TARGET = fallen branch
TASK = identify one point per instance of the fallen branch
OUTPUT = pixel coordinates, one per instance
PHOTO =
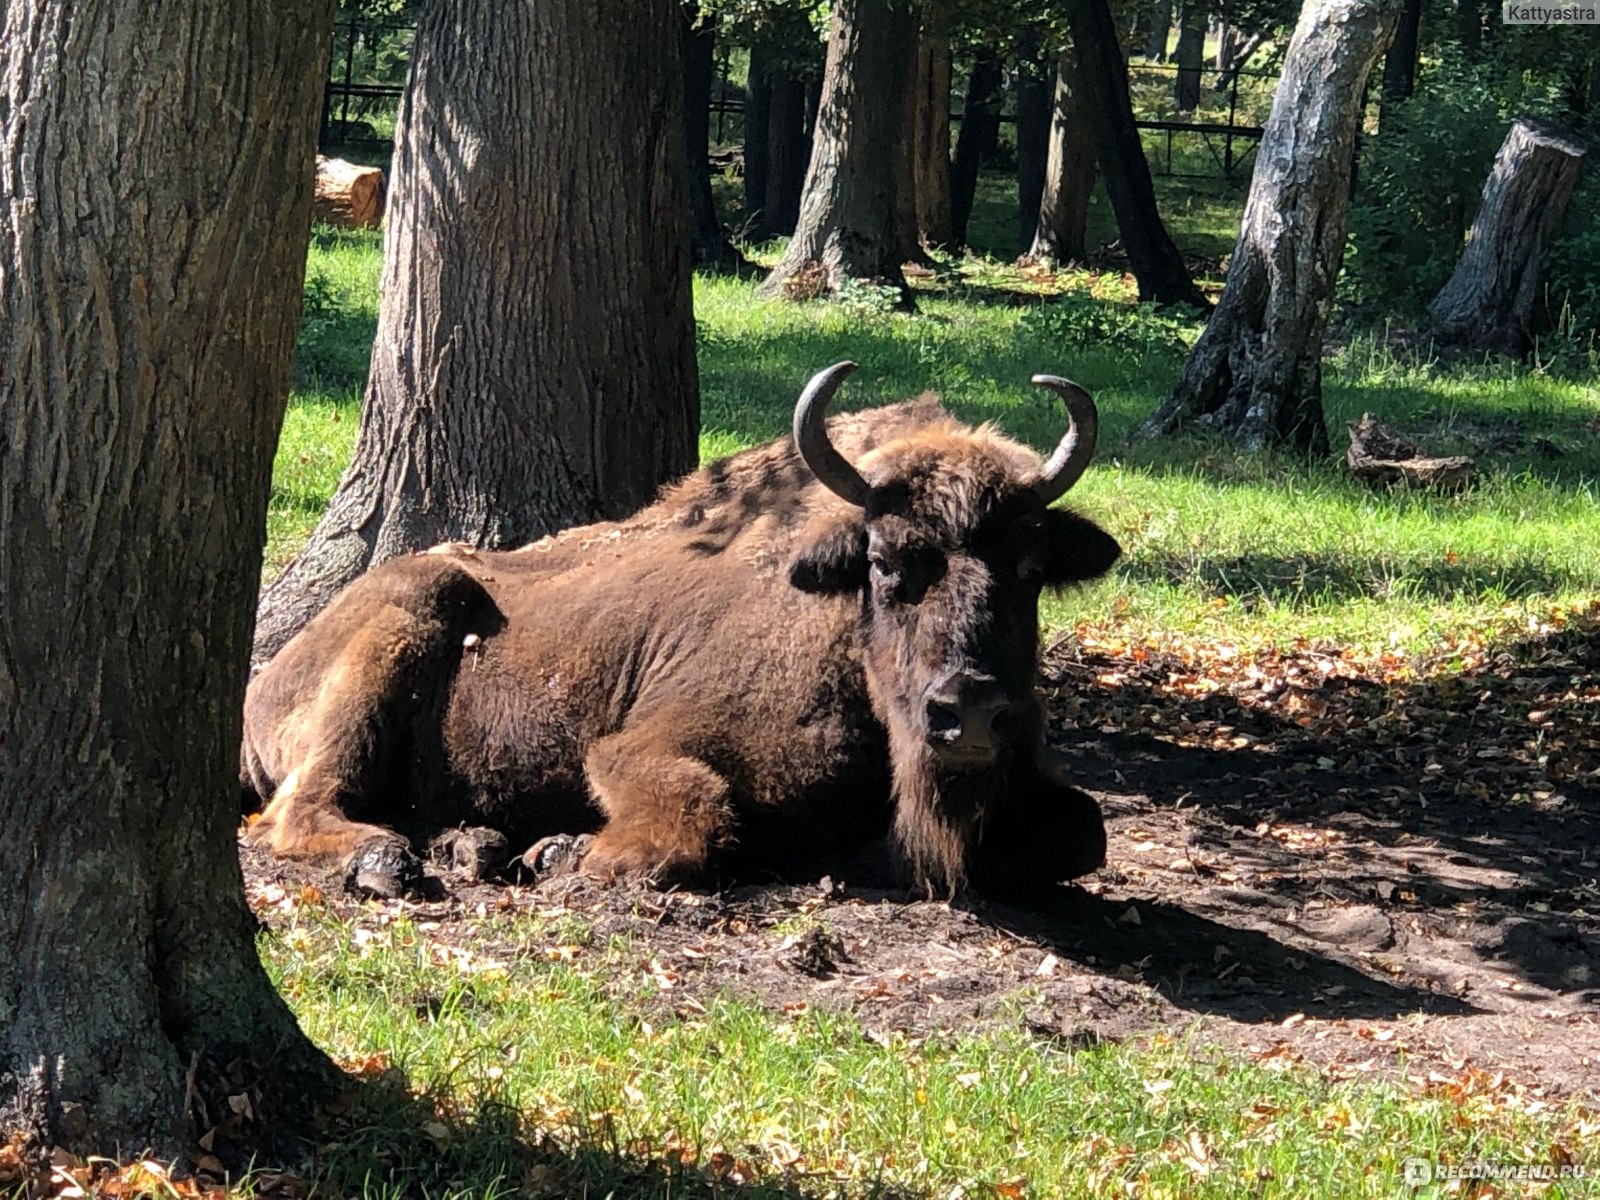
(1380, 458)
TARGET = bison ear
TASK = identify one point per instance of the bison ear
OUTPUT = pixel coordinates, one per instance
(1079, 549)
(833, 559)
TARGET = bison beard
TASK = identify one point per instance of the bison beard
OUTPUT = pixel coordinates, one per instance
(794, 651)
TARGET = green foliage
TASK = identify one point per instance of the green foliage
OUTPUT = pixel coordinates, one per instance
(1422, 178)
(1078, 322)
(1572, 287)
(339, 310)
(1419, 184)
(866, 298)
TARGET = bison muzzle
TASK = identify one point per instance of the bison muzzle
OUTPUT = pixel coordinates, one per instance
(793, 652)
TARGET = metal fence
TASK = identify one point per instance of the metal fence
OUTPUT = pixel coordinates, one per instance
(367, 74)
(367, 79)
(1224, 126)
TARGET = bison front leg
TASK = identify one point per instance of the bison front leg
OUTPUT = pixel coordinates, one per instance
(305, 820)
(1043, 833)
(329, 724)
(666, 811)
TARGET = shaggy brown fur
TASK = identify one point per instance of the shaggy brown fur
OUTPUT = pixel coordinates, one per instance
(738, 675)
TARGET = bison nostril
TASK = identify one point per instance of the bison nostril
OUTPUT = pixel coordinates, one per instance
(1005, 723)
(944, 720)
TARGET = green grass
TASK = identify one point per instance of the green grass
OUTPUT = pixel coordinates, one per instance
(1253, 549)
(533, 1060)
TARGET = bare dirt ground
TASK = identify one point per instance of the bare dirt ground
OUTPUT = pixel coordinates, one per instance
(1380, 871)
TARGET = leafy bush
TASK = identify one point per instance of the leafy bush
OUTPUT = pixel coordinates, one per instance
(1419, 182)
(335, 343)
(1572, 285)
(1080, 322)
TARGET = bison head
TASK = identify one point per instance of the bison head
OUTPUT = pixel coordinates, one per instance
(948, 537)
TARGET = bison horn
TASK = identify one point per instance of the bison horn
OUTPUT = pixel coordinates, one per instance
(811, 437)
(1076, 448)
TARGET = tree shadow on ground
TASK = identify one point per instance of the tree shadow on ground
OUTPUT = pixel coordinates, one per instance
(1171, 948)
(1463, 804)
(393, 1142)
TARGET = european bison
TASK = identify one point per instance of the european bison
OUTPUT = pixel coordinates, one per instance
(786, 656)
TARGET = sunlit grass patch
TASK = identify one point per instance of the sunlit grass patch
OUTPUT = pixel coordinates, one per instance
(566, 1068)
(1252, 548)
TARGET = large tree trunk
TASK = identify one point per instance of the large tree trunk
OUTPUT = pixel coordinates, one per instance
(907, 205)
(1155, 46)
(850, 221)
(534, 364)
(1238, 57)
(757, 148)
(1191, 57)
(1489, 303)
(1228, 41)
(788, 150)
(1469, 26)
(708, 242)
(1256, 372)
(1155, 261)
(933, 140)
(1033, 90)
(980, 125)
(1069, 178)
(1400, 64)
(159, 174)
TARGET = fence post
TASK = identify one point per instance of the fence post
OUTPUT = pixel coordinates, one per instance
(1227, 144)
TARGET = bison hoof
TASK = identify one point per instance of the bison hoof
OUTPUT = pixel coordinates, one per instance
(556, 855)
(383, 870)
(477, 853)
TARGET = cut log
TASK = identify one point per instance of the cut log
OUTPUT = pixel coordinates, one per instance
(1489, 303)
(1380, 458)
(348, 194)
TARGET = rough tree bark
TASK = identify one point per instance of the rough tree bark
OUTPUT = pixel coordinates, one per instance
(1033, 90)
(1155, 47)
(933, 139)
(1490, 301)
(980, 125)
(757, 150)
(152, 248)
(1228, 41)
(1069, 177)
(788, 150)
(1240, 55)
(1103, 73)
(534, 364)
(850, 223)
(1190, 55)
(907, 204)
(709, 246)
(1256, 372)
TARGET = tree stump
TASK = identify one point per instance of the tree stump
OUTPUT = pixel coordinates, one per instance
(1489, 303)
(1380, 458)
(348, 194)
